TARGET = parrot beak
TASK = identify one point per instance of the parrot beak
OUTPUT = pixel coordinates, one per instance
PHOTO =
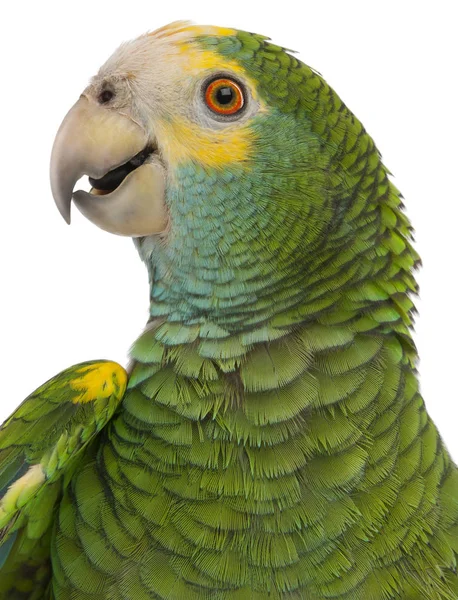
(124, 168)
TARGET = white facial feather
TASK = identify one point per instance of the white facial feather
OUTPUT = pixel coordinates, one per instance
(161, 81)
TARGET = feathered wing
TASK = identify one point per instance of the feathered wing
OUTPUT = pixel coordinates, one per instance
(40, 446)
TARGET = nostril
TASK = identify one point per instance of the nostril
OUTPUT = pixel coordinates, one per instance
(105, 96)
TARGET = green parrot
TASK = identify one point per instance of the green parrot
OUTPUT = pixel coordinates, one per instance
(268, 439)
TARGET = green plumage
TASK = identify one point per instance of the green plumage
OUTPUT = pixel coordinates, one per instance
(272, 442)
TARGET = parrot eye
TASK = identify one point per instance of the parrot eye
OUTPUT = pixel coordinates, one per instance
(224, 96)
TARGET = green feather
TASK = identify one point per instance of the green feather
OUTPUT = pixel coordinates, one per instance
(272, 442)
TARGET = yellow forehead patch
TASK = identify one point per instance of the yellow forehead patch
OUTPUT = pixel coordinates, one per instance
(99, 380)
(195, 59)
(186, 28)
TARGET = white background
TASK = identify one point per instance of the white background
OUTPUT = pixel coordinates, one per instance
(75, 293)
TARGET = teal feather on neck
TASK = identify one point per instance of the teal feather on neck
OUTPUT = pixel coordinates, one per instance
(283, 238)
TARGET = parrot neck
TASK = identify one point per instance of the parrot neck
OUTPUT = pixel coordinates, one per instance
(255, 252)
(197, 289)
(265, 326)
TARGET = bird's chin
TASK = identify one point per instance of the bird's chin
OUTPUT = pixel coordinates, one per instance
(136, 207)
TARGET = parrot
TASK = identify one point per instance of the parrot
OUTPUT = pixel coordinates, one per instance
(268, 439)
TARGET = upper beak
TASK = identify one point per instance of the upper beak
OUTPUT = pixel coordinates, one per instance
(93, 140)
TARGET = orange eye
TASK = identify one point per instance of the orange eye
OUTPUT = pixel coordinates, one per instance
(224, 97)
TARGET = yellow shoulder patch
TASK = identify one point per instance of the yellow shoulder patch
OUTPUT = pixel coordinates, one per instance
(99, 380)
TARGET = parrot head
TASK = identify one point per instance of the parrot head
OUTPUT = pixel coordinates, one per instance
(245, 181)
(162, 104)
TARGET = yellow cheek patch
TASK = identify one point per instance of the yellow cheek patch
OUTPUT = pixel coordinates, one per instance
(185, 142)
(99, 380)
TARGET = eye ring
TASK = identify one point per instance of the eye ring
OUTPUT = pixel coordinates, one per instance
(224, 96)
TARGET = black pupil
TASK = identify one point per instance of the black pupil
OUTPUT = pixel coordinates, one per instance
(225, 95)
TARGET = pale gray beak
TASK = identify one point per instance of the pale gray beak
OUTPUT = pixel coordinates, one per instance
(95, 140)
